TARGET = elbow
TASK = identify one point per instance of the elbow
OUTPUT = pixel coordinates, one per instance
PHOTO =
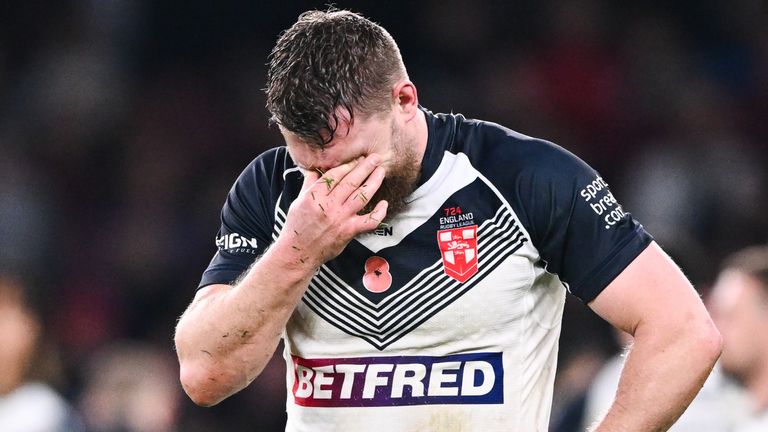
(709, 342)
(209, 378)
(201, 385)
(199, 375)
(697, 337)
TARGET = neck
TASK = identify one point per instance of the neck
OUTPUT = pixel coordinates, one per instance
(10, 383)
(757, 386)
(421, 133)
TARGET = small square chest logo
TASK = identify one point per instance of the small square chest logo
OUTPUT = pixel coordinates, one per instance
(458, 248)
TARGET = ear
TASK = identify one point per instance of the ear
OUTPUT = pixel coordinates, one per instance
(406, 99)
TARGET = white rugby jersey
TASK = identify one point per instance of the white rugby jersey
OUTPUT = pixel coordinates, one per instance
(448, 318)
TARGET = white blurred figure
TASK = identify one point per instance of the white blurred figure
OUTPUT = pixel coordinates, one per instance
(130, 387)
(720, 406)
(740, 309)
(25, 405)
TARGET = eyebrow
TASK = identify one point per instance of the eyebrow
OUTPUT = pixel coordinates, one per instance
(318, 170)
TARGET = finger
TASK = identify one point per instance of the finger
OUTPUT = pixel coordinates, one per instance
(349, 186)
(372, 220)
(328, 180)
(359, 198)
(310, 177)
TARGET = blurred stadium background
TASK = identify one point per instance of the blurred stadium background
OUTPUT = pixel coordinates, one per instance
(124, 123)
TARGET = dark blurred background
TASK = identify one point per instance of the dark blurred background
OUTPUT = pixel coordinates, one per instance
(124, 123)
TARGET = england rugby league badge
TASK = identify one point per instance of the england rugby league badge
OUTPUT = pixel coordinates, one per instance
(458, 247)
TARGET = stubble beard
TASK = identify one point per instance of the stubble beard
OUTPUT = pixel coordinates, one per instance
(400, 180)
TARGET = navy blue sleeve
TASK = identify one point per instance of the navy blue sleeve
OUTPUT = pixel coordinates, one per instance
(578, 226)
(247, 220)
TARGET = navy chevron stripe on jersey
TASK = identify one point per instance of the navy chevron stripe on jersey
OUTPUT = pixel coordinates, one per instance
(431, 304)
(382, 324)
(394, 300)
(502, 222)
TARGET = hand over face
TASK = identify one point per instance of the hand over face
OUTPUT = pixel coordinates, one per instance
(324, 217)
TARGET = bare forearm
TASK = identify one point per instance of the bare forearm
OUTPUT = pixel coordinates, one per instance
(228, 334)
(225, 339)
(663, 373)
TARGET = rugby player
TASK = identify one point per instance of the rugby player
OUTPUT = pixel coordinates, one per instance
(416, 264)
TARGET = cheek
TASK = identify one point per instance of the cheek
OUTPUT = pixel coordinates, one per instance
(298, 155)
(18, 338)
(740, 334)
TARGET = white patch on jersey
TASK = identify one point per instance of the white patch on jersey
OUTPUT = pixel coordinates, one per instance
(290, 170)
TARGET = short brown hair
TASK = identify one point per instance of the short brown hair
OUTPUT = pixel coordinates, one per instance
(326, 61)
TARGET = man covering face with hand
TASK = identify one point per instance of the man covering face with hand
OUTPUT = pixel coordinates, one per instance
(416, 264)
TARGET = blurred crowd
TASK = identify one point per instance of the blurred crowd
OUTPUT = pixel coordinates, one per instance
(124, 123)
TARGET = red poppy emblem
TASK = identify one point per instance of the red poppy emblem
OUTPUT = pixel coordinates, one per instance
(377, 278)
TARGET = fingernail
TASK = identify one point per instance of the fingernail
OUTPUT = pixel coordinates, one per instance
(375, 159)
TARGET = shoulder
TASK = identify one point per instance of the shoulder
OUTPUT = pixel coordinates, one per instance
(36, 406)
(758, 423)
(268, 167)
(498, 151)
(254, 194)
(264, 177)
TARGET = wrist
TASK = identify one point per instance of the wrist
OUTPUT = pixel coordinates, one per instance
(282, 268)
(291, 255)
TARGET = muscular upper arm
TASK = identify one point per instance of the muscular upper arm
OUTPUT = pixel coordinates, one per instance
(208, 292)
(651, 289)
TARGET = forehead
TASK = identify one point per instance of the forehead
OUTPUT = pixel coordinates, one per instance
(734, 288)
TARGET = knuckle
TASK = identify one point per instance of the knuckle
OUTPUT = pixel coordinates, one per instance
(349, 184)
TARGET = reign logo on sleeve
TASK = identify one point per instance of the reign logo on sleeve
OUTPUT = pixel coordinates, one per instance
(475, 378)
(235, 243)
